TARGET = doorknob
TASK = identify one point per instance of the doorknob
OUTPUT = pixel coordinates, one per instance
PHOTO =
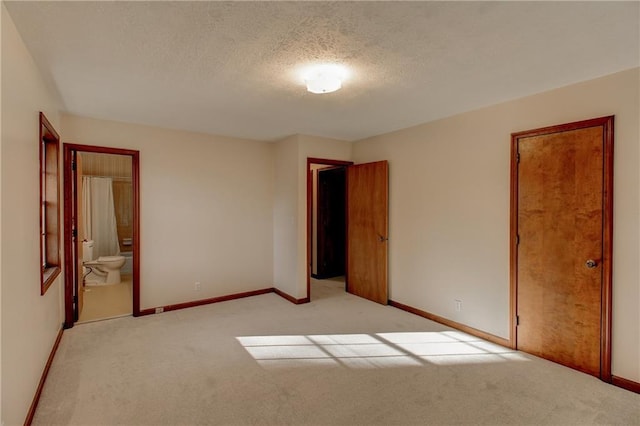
(591, 264)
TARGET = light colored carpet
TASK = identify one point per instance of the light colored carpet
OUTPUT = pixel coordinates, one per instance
(339, 360)
(107, 301)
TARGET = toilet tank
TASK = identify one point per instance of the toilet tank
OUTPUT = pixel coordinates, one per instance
(87, 251)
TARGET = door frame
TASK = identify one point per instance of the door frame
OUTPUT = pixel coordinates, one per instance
(70, 200)
(607, 233)
(327, 162)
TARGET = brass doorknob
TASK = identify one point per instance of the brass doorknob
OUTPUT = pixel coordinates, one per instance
(591, 263)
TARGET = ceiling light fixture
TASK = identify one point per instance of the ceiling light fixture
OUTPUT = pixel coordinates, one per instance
(324, 78)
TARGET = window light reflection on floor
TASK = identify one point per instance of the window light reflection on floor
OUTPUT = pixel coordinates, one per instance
(380, 350)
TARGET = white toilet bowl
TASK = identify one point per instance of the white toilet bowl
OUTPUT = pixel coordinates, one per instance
(107, 267)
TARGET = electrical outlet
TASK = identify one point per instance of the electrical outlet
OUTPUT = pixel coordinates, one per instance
(196, 286)
(159, 310)
(458, 305)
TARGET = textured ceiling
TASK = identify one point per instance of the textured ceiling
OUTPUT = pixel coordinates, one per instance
(229, 68)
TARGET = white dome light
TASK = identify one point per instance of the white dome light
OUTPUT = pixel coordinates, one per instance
(324, 78)
(323, 83)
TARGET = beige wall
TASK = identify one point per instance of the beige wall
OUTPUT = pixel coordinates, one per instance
(285, 219)
(290, 206)
(30, 322)
(206, 209)
(449, 206)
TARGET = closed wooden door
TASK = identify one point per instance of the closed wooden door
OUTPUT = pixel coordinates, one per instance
(331, 222)
(367, 230)
(562, 243)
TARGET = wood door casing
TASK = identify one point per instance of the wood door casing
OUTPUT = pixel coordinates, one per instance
(70, 253)
(79, 280)
(561, 218)
(367, 230)
(314, 161)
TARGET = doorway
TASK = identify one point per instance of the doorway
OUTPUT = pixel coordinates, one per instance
(101, 213)
(326, 221)
(561, 247)
(360, 194)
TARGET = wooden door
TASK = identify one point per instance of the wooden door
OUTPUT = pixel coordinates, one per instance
(331, 222)
(562, 243)
(367, 230)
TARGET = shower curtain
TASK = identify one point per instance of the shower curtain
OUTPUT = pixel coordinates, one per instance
(99, 215)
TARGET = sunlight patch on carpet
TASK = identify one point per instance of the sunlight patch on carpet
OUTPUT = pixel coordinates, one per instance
(380, 350)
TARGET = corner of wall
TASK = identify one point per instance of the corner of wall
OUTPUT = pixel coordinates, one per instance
(284, 214)
(27, 342)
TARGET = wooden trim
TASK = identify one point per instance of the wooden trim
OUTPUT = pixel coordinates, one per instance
(45, 122)
(513, 246)
(592, 122)
(135, 182)
(69, 149)
(43, 379)
(310, 161)
(48, 277)
(206, 301)
(607, 232)
(309, 267)
(627, 384)
(328, 162)
(453, 324)
(346, 236)
(101, 149)
(68, 238)
(607, 250)
(49, 135)
(291, 298)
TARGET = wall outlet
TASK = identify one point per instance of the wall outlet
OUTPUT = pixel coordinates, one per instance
(458, 305)
(159, 310)
(196, 286)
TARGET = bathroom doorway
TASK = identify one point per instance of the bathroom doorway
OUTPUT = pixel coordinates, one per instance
(101, 211)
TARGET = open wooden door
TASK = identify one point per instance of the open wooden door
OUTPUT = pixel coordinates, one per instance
(79, 288)
(561, 236)
(367, 230)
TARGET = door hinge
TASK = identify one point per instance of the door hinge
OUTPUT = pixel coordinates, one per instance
(517, 320)
(517, 239)
(74, 233)
(517, 157)
(73, 166)
(75, 299)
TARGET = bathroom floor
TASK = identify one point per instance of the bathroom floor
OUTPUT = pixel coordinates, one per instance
(107, 301)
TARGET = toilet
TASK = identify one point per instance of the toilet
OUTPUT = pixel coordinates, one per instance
(104, 270)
